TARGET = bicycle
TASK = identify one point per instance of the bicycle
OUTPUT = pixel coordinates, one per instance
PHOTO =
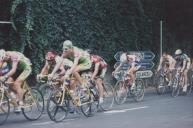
(47, 86)
(59, 101)
(178, 83)
(33, 103)
(108, 95)
(162, 82)
(123, 89)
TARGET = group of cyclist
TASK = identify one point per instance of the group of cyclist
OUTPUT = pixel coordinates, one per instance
(72, 61)
(16, 67)
(179, 61)
(167, 62)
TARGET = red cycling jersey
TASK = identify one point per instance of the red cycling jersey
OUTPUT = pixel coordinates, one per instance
(97, 59)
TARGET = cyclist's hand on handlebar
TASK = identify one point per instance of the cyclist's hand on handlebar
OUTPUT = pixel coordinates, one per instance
(3, 78)
(50, 76)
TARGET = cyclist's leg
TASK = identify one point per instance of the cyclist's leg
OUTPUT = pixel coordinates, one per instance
(19, 82)
(81, 67)
(73, 84)
(10, 81)
(168, 76)
(13, 97)
(132, 77)
(185, 73)
(18, 87)
(99, 83)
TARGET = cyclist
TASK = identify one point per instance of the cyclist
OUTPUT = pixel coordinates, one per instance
(51, 59)
(183, 62)
(22, 65)
(99, 68)
(81, 61)
(167, 62)
(134, 62)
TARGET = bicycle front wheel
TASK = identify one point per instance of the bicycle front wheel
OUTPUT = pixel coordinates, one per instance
(121, 92)
(4, 108)
(139, 90)
(33, 106)
(57, 106)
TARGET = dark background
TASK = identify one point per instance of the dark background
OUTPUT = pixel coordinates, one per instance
(105, 26)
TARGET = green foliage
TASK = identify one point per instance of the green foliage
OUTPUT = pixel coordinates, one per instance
(103, 26)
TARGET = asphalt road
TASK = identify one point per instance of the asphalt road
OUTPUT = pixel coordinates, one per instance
(153, 112)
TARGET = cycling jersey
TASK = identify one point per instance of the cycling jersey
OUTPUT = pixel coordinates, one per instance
(181, 59)
(97, 59)
(84, 59)
(3, 68)
(24, 64)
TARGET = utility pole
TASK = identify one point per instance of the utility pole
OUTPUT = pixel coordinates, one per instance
(161, 41)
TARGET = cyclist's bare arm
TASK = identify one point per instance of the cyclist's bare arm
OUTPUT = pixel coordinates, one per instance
(62, 70)
(69, 72)
(118, 68)
(57, 66)
(172, 63)
(184, 65)
(45, 69)
(13, 69)
(96, 70)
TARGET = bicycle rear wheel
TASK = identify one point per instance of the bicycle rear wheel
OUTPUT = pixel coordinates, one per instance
(33, 104)
(121, 92)
(57, 106)
(88, 105)
(4, 108)
(108, 97)
(161, 85)
(175, 88)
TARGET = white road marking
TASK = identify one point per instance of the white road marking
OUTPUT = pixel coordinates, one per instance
(124, 110)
